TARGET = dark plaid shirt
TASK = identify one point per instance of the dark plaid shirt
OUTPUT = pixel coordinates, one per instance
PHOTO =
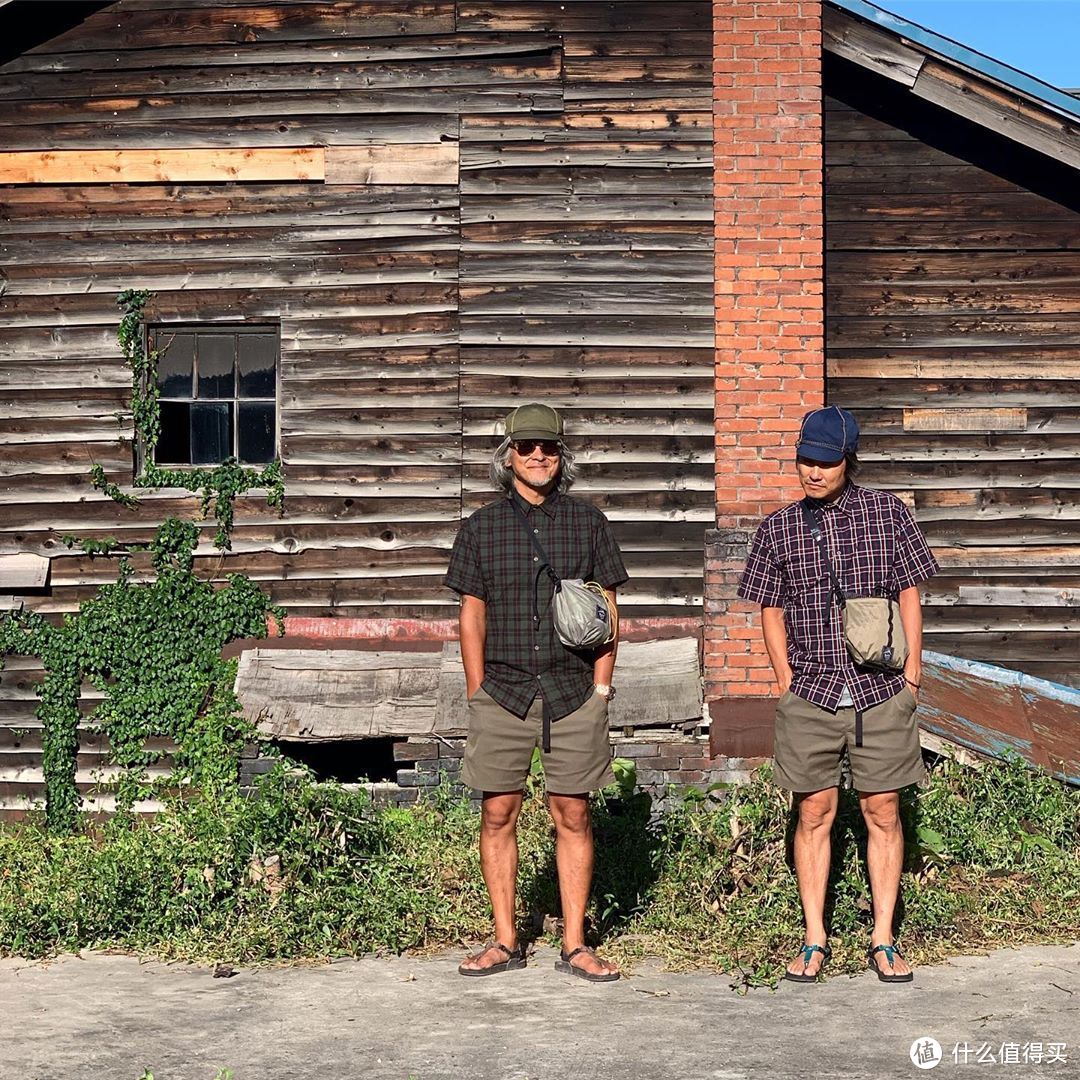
(494, 560)
(876, 550)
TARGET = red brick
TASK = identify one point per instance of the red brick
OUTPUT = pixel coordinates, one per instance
(769, 255)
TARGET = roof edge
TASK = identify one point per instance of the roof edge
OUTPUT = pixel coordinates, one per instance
(947, 49)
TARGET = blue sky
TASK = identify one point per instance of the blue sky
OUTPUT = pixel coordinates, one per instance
(1040, 37)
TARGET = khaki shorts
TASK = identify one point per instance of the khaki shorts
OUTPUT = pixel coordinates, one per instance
(810, 741)
(499, 749)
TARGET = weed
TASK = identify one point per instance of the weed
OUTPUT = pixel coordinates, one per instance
(304, 869)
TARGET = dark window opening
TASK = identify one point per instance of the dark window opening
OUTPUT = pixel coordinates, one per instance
(348, 761)
(217, 390)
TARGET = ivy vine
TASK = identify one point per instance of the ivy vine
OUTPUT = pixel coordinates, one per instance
(153, 648)
(154, 651)
(219, 486)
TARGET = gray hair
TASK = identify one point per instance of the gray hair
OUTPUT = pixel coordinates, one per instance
(503, 478)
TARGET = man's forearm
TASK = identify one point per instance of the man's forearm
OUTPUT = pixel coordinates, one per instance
(911, 620)
(774, 632)
(472, 632)
(604, 663)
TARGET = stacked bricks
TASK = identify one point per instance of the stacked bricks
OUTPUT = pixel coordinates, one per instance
(769, 313)
(665, 769)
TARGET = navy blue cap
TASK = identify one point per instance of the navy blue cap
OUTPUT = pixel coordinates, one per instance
(828, 435)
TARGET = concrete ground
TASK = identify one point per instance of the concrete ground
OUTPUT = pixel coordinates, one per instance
(105, 1017)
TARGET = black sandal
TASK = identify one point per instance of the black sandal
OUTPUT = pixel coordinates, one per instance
(515, 959)
(808, 955)
(565, 965)
(890, 951)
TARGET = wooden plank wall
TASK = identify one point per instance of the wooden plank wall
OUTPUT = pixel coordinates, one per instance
(953, 293)
(572, 262)
(586, 274)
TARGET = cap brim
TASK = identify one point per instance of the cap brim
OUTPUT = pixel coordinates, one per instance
(817, 452)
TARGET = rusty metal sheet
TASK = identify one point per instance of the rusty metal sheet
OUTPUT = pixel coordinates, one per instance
(992, 710)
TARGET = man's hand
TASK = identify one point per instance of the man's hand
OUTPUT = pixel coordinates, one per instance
(472, 628)
(913, 675)
(911, 620)
(775, 633)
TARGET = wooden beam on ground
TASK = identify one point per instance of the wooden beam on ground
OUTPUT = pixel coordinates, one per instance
(160, 165)
(658, 685)
(393, 163)
(315, 695)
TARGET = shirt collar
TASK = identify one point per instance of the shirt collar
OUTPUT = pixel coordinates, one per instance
(841, 504)
(548, 506)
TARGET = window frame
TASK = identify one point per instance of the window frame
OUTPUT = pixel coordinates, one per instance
(155, 331)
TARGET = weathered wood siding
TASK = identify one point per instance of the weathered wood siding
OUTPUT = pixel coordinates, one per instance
(953, 332)
(506, 200)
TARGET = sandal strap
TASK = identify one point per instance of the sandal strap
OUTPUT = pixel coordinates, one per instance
(889, 950)
(510, 953)
(568, 957)
(808, 954)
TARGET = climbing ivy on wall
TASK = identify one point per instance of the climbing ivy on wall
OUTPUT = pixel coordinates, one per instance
(153, 648)
(218, 486)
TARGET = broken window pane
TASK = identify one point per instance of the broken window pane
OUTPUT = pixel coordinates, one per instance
(216, 355)
(211, 432)
(256, 362)
(174, 442)
(175, 357)
(256, 431)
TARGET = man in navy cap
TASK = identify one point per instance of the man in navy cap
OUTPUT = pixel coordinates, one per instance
(828, 703)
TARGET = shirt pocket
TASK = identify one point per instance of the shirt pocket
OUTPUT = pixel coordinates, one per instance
(803, 573)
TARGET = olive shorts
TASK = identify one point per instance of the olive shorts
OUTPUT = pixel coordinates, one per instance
(499, 749)
(810, 742)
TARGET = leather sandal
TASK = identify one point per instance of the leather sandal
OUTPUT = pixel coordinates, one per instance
(566, 965)
(890, 951)
(515, 959)
(808, 955)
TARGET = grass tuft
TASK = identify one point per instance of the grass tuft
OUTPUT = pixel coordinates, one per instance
(306, 870)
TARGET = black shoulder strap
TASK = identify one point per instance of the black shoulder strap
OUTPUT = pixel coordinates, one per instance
(545, 562)
(815, 531)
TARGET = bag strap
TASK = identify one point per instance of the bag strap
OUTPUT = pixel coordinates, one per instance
(545, 568)
(815, 531)
(545, 562)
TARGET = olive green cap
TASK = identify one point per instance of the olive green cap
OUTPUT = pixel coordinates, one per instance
(534, 421)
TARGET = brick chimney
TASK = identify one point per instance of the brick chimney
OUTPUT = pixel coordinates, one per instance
(769, 323)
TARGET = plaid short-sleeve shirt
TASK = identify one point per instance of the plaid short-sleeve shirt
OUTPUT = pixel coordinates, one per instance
(876, 550)
(494, 560)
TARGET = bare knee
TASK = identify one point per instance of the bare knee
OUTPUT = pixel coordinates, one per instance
(499, 813)
(570, 814)
(817, 811)
(881, 812)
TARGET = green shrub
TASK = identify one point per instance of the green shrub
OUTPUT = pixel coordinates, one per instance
(303, 869)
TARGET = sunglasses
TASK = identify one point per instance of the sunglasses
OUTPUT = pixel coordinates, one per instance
(547, 447)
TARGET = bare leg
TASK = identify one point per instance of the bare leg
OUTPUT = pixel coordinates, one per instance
(813, 852)
(499, 861)
(884, 861)
(574, 859)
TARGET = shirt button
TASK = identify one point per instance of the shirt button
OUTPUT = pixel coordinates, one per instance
(537, 531)
(536, 558)
(536, 648)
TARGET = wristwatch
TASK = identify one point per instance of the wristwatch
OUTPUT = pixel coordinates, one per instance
(604, 690)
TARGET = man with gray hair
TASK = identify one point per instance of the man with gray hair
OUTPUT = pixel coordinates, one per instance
(524, 687)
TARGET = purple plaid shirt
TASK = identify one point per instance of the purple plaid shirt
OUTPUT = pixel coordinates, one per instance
(876, 550)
